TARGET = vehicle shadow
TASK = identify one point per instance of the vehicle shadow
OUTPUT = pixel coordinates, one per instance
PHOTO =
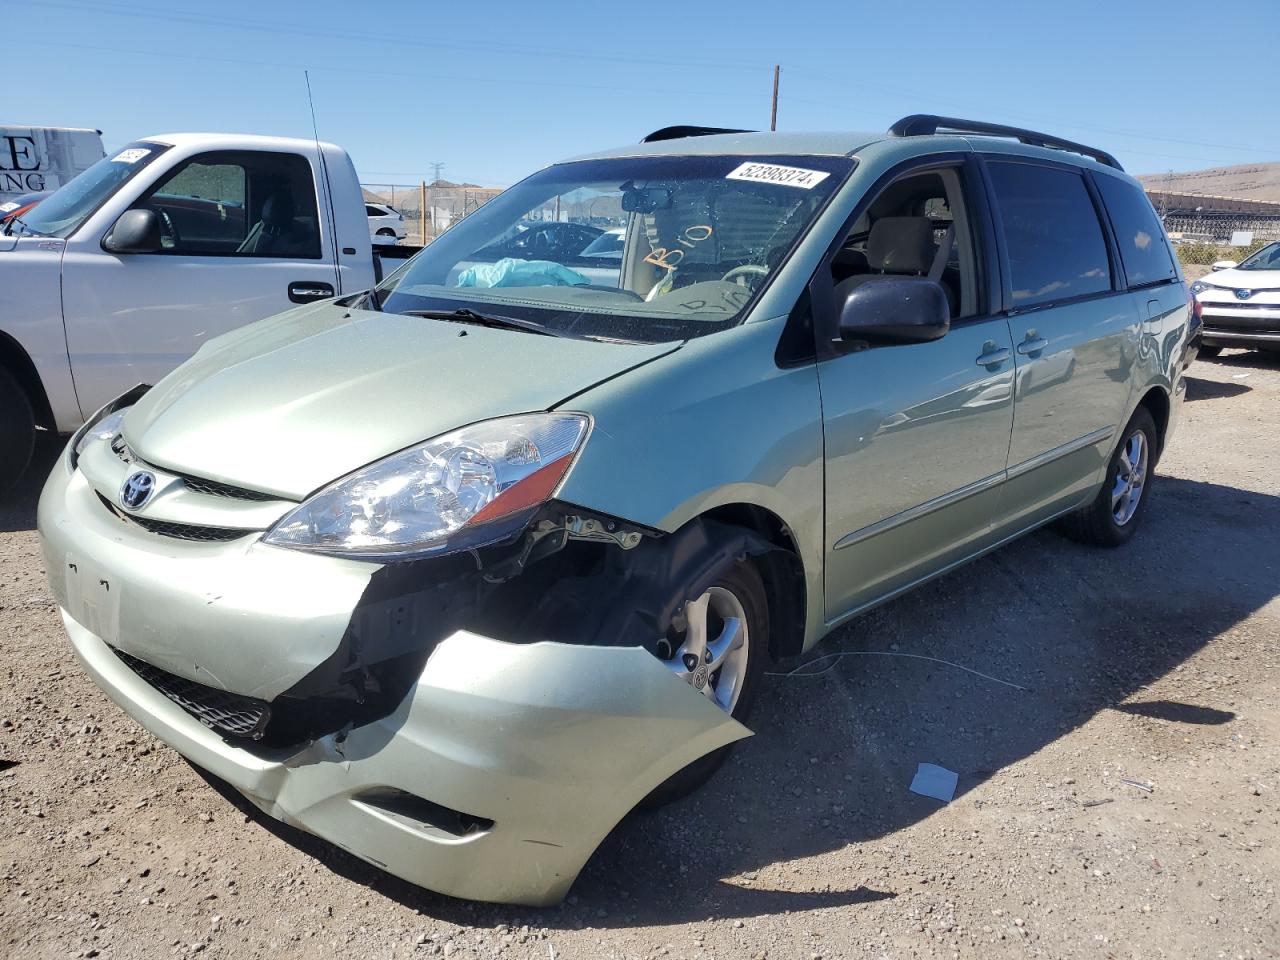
(1198, 389)
(18, 505)
(1082, 629)
(1244, 358)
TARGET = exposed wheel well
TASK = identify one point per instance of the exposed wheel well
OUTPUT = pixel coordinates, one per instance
(782, 572)
(14, 359)
(1157, 403)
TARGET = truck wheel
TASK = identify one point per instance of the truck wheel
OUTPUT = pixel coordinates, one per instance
(728, 624)
(1118, 508)
(17, 430)
(1208, 353)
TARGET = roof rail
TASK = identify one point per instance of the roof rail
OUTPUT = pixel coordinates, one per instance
(926, 124)
(685, 130)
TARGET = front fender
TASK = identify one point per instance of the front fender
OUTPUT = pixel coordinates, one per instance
(714, 424)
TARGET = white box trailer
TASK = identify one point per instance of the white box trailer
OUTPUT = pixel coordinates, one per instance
(33, 159)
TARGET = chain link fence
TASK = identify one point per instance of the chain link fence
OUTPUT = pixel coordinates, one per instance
(445, 205)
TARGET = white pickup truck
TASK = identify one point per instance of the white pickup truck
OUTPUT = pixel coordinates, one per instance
(126, 270)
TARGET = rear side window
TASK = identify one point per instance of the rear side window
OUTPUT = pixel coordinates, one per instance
(1055, 243)
(1138, 232)
(374, 212)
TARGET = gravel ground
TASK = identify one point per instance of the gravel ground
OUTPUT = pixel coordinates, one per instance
(1155, 663)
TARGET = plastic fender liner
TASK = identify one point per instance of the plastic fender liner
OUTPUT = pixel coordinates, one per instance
(583, 593)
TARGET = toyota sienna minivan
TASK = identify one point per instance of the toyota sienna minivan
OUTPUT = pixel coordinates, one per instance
(458, 571)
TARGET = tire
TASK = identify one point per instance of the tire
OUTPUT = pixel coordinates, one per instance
(1103, 523)
(1208, 353)
(742, 581)
(17, 430)
(386, 232)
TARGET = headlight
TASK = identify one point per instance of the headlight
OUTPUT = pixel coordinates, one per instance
(1199, 285)
(427, 497)
(104, 429)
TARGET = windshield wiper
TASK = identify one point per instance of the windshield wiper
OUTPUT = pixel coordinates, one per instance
(8, 227)
(464, 315)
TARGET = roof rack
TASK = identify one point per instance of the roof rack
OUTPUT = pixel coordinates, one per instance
(926, 124)
(685, 130)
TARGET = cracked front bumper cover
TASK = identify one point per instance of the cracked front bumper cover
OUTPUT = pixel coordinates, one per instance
(539, 747)
(553, 743)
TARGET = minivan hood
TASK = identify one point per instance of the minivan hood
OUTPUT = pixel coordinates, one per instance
(287, 405)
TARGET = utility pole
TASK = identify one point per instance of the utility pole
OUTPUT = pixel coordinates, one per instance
(773, 112)
(422, 211)
(435, 170)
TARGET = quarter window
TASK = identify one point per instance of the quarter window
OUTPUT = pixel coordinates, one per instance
(1138, 232)
(239, 204)
(1055, 243)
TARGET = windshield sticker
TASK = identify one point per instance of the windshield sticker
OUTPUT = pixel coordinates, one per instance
(6, 207)
(132, 155)
(774, 173)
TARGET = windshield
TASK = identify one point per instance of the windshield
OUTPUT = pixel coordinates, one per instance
(649, 249)
(1268, 258)
(61, 213)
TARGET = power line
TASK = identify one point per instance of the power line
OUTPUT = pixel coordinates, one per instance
(294, 29)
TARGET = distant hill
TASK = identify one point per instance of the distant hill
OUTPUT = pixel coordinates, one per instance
(1249, 181)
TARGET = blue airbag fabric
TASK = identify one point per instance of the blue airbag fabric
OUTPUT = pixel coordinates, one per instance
(510, 272)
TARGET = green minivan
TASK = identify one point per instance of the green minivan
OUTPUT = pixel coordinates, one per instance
(458, 571)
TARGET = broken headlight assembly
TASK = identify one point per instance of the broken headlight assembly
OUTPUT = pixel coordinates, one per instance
(463, 489)
(105, 428)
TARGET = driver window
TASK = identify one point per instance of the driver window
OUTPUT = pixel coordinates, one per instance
(918, 226)
(238, 204)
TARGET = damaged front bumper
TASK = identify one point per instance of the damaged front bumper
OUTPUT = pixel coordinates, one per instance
(493, 777)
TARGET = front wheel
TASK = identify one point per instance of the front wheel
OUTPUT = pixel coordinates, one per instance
(720, 650)
(1115, 513)
(17, 430)
(1208, 353)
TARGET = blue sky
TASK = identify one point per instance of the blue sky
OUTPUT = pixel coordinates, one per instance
(496, 90)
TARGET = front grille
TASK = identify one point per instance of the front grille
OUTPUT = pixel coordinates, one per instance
(1241, 307)
(230, 713)
(210, 488)
(215, 489)
(180, 531)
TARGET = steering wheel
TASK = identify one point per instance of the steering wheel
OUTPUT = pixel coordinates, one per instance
(166, 222)
(740, 274)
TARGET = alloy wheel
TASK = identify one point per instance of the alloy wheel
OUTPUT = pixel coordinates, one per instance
(713, 650)
(1131, 478)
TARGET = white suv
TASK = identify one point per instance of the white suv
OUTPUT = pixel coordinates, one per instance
(385, 221)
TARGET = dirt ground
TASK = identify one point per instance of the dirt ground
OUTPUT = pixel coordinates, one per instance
(1156, 663)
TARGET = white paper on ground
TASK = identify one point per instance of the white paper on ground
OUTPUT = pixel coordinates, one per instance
(934, 781)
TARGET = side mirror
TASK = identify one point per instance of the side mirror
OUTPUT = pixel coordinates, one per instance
(1223, 265)
(894, 310)
(137, 231)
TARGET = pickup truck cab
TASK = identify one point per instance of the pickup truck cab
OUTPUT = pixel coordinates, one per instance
(128, 269)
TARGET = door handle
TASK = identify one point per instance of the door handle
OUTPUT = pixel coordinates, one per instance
(1033, 343)
(305, 291)
(991, 355)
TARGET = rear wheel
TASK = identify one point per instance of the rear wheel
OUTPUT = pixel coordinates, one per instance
(1114, 514)
(17, 430)
(720, 650)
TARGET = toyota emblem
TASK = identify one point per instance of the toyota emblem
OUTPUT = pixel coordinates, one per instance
(1243, 294)
(137, 490)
